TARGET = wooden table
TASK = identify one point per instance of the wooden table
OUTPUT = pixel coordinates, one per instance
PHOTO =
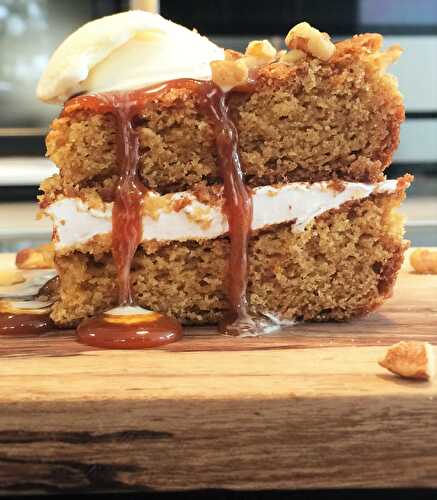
(308, 409)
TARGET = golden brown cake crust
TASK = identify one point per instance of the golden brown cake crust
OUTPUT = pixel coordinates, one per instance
(292, 275)
(311, 121)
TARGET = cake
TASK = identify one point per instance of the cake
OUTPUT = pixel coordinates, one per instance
(254, 182)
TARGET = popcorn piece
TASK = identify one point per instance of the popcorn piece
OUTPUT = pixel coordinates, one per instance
(10, 277)
(41, 257)
(229, 74)
(410, 360)
(424, 261)
(310, 40)
(292, 57)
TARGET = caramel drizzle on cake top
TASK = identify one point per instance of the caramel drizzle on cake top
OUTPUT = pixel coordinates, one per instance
(129, 194)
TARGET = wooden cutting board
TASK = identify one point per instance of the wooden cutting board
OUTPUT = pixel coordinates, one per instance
(308, 409)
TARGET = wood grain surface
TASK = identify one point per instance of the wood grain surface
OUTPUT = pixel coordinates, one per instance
(310, 408)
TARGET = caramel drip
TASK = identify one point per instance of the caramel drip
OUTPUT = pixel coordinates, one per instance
(126, 228)
(129, 193)
(237, 206)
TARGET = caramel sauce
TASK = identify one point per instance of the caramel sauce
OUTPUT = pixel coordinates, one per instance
(16, 319)
(238, 209)
(12, 323)
(129, 195)
(129, 332)
(20, 315)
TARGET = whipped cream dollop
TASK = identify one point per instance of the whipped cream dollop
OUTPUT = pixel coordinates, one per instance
(125, 51)
(76, 223)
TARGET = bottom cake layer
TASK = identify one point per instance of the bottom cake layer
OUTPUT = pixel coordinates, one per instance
(344, 264)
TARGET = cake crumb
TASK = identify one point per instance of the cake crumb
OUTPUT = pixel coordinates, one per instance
(272, 193)
(200, 215)
(337, 185)
(410, 359)
(424, 261)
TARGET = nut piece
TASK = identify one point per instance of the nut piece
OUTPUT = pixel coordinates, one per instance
(310, 40)
(41, 257)
(424, 261)
(229, 74)
(258, 53)
(10, 277)
(410, 360)
(232, 55)
(262, 50)
(292, 56)
(234, 70)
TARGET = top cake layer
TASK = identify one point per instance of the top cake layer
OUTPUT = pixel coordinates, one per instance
(305, 120)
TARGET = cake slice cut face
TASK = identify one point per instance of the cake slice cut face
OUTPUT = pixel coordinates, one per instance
(240, 189)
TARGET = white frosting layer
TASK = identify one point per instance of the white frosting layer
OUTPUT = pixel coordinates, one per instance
(300, 202)
(124, 51)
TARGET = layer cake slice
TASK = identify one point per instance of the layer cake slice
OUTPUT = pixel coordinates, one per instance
(284, 148)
